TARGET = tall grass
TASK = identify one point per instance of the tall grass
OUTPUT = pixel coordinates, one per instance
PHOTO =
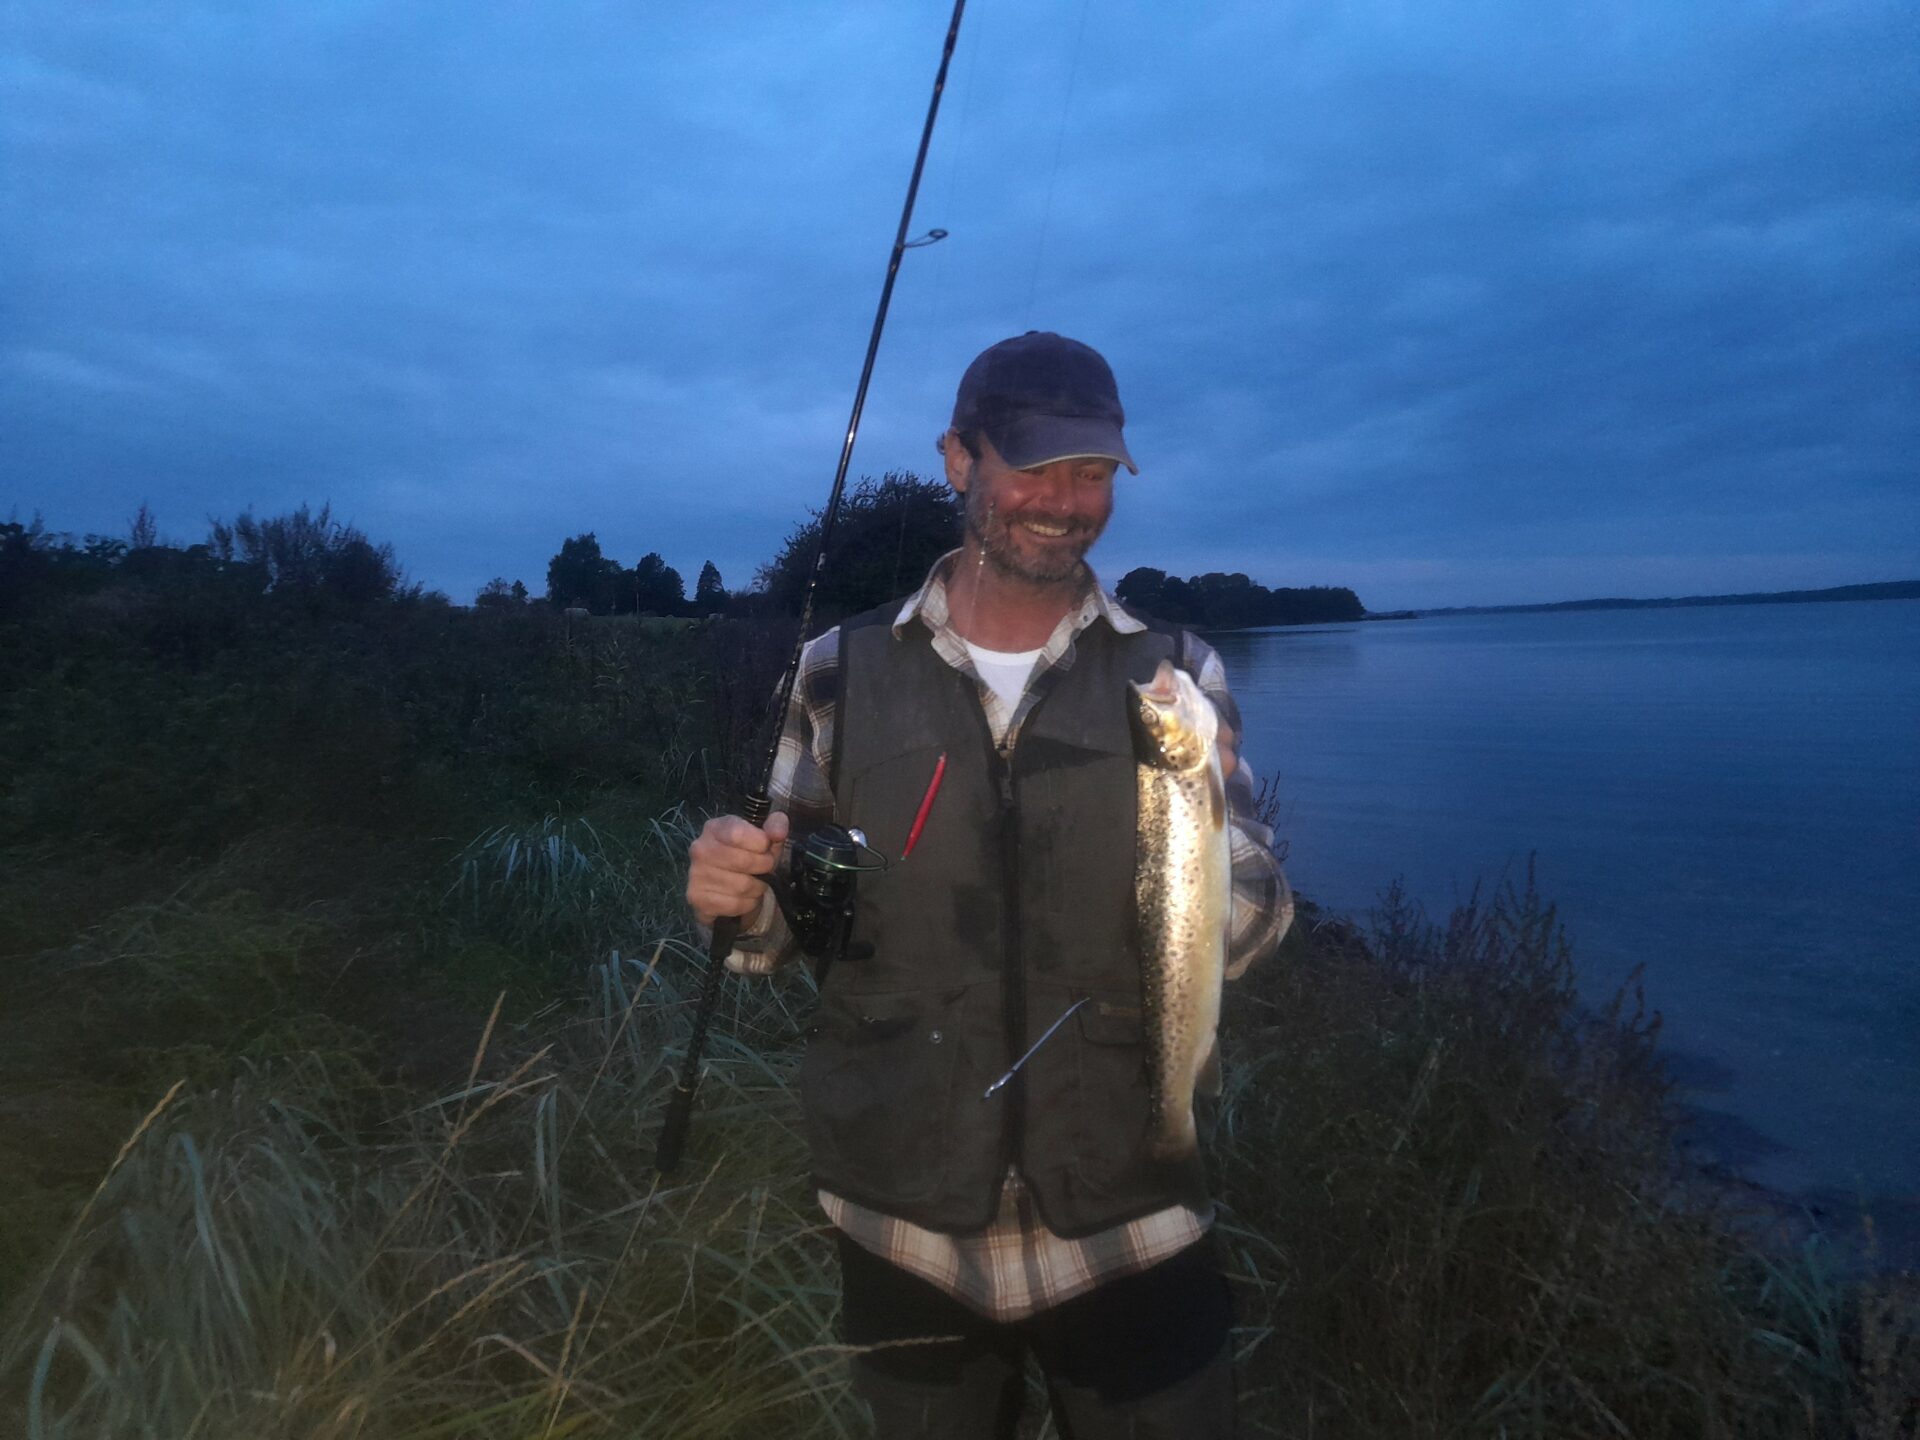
(497, 1261)
(551, 882)
(1448, 1210)
(1454, 1210)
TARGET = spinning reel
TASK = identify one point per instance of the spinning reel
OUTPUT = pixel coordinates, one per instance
(817, 899)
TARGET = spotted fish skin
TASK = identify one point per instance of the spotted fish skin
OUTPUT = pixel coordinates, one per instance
(1182, 887)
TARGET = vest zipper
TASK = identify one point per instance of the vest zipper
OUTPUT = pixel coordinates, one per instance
(1013, 987)
(1013, 971)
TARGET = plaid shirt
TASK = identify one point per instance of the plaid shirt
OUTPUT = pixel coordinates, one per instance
(1015, 1266)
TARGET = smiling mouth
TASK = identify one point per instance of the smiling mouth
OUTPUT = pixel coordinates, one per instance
(1049, 532)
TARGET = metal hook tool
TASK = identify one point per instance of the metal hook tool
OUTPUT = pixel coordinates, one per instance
(1012, 1070)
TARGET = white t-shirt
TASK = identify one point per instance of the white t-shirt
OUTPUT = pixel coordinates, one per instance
(1005, 670)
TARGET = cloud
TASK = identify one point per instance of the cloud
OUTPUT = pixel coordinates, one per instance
(1442, 296)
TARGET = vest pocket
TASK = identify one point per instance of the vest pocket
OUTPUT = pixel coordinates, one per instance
(1111, 1084)
(876, 1087)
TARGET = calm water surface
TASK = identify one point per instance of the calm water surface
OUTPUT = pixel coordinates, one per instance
(1728, 794)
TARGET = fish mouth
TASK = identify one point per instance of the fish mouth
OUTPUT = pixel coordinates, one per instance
(1163, 688)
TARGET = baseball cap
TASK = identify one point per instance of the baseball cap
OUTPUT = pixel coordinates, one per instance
(1041, 397)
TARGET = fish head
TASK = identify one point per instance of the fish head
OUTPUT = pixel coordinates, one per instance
(1174, 724)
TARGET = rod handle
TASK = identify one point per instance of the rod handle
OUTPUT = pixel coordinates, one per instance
(673, 1133)
(673, 1130)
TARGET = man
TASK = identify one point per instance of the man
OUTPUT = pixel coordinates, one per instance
(986, 717)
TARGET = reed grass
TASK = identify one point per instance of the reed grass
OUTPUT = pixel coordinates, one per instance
(497, 1261)
(1448, 1210)
(1453, 1208)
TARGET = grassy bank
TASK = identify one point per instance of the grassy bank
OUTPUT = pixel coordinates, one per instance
(348, 975)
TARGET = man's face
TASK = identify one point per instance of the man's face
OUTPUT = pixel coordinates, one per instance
(1032, 525)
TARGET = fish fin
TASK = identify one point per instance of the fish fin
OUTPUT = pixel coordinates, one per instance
(1216, 798)
(1208, 1081)
(1177, 1144)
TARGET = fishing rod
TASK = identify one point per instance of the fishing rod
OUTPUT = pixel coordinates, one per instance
(726, 928)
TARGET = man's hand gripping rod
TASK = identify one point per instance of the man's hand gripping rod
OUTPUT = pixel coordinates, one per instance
(726, 929)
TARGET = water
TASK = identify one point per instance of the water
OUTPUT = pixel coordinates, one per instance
(1729, 795)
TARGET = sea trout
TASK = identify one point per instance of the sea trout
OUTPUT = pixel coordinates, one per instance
(1182, 888)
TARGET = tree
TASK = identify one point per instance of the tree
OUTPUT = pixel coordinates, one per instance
(1231, 601)
(657, 587)
(25, 561)
(1226, 602)
(359, 572)
(885, 539)
(142, 531)
(311, 554)
(498, 594)
(709, 594)
(581, 575)
(1144, 589)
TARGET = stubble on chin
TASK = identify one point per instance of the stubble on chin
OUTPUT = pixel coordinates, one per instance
(1001, 550)
(1010, 565)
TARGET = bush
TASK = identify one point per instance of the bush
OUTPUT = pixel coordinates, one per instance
(1454, 1210)
(886, 537)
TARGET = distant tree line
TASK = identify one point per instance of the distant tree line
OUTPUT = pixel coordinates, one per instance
(1232, 602)
(890, 531)
(305, 558)
(886, 537)
(581, 576)
(1876, 590)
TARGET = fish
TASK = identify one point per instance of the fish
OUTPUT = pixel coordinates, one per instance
(1183, 877)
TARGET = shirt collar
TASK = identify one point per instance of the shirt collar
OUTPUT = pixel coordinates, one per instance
(929, 603)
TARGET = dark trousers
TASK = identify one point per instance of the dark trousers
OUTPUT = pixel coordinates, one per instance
(1143, 1356)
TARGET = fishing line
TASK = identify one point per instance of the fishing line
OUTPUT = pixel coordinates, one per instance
(956, 148)
(979, 567)
(1059, 143)
(945, 298)
(899, 541)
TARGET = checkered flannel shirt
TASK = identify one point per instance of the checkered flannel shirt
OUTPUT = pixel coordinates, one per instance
(1016, 1266)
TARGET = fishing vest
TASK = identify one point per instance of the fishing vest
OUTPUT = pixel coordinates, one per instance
(1016, 902)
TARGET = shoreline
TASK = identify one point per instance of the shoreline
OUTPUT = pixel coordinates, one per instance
(1837, 594)
(1869, 1236)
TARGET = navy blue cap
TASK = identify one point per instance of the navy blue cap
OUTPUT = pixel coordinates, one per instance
(1041, 397)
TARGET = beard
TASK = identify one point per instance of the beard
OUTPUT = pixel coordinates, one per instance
(1017, 555)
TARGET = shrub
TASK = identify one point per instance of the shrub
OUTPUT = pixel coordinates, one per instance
(1452, 1204)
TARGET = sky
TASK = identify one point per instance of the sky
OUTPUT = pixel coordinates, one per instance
(1480, 302)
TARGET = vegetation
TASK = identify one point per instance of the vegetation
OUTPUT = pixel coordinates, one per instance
(579, 576)
(1233, 602)
(1455, 1198)
(348, 973)
(499, 593)
(709, 593)
(885, 538)
(301, 557)
(1883, 590)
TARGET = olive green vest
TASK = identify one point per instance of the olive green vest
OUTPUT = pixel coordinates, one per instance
(1016, 902)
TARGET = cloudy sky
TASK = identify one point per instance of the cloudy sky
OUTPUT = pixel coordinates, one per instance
(1472, 302)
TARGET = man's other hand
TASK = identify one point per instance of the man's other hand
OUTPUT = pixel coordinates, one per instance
(725, 863)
